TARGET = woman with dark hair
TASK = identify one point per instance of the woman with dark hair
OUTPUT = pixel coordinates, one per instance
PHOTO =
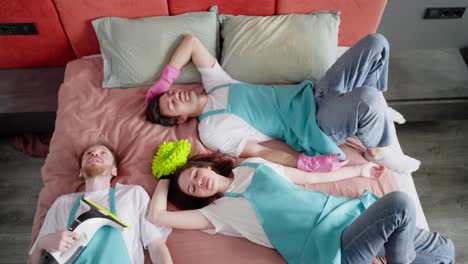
(260, 201)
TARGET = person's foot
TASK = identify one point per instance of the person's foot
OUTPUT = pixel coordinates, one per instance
(395, 116)
(394, 161)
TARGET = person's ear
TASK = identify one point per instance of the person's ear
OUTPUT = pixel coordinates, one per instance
(114, 171)
(81, 174)
(181, 119)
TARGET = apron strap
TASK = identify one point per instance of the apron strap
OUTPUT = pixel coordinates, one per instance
(248, 164)
(214, 112)
(219, 87)
(232, 194)
(112, 201)
(71, 216)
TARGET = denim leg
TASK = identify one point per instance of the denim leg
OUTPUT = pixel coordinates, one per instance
(389, 223)
(364, 64)
(433, 248)
(360, 112)
(430, 248)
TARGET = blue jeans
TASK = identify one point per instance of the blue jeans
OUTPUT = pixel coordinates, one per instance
(387, 228)
(349, 99)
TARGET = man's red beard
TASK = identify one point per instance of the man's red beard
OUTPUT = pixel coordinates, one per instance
(93, 170)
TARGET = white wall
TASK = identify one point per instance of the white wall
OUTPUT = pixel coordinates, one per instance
(403, 25)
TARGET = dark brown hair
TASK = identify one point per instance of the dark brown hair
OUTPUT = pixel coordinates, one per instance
(219, 163)
(153, 114)
(112, 151)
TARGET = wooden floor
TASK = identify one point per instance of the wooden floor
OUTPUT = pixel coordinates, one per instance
(442, 183)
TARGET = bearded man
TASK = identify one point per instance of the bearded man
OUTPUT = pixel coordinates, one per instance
(98, 165)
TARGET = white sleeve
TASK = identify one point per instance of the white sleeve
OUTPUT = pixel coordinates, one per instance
(235, 217)
(214, 76)
(149, 231)
(216, 138)
(50, 225)
(230, 145)
(218, 213)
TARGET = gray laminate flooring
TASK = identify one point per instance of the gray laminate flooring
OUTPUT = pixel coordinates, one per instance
(442, 183)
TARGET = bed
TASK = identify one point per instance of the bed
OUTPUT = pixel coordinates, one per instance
(88, 114)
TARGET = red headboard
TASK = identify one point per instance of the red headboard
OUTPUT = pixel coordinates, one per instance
(77, 16)
(65, 30)
(358, 17)
(232, 7)
(49, 48)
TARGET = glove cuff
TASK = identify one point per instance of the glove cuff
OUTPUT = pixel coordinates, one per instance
(170, 73)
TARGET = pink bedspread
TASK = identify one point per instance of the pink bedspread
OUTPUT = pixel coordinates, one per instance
(88, 114)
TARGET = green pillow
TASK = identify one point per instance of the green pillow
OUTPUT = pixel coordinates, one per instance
(279, 49)
(134, 51)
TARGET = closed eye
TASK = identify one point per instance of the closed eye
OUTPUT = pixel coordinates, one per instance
(191, 188)
(169, 105)
(193, 174)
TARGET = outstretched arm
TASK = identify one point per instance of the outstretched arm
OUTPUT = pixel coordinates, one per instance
(159, 253)
(188, 219)
(289, 161)
(322, 163)
(367, 170)
(276, 156)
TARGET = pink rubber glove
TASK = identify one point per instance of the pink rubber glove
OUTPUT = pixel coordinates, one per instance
(324, 163)
(168, 76)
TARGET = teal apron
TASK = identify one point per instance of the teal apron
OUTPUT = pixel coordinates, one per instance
(107, 244)
(282, 112)
(304, 226)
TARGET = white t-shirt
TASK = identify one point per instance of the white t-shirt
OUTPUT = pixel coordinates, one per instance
(226, 133)
(131, 203)
(235, 216)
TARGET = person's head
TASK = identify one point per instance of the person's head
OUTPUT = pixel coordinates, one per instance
(172, 108)
(197, 184)
(98, 160)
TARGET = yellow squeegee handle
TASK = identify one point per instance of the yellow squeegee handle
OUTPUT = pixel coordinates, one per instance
(116, 218)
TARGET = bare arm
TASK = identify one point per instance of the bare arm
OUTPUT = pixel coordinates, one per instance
(277, 156)
(159, 253)
(188, 219)
(58, 241)
(367, 170)
(36, 256)
(191, 49)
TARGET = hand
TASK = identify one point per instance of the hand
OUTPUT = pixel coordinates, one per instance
(371, 170)
(324, 163)
(58, 241)
(168, 76)
(160, 86)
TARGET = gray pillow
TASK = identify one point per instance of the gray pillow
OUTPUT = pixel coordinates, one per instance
(135, 51)
(279, 49)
